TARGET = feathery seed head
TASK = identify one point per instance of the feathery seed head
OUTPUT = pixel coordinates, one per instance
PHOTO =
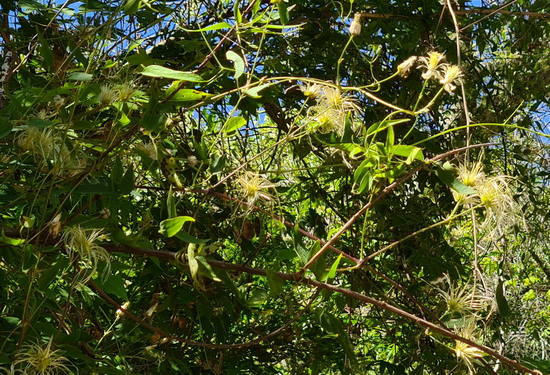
(406, 66)
(43, 360)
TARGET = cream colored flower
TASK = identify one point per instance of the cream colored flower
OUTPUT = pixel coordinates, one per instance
(311, 90)
(452, 75)
(433, 64)
(333, 107)
(461, 300)
(471, 174)
(253, 187)
(406, 66)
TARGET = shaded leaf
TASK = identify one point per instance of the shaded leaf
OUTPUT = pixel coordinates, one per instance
(157, 71)
(170, 227)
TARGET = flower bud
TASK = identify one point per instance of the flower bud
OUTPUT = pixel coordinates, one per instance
(355, 27)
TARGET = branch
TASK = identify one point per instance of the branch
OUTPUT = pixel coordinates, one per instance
(298, 278)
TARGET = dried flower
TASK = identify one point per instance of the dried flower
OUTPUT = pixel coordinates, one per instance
(311, 90)
(331, 110)
(38, 359)
(192, 160)
(355, 27)
(107, 95)
(50, 152)
(471, 175)
(452, 74)
(58, 101)
(433, 65)
(465, 353)
(147, 149)
(125, 92)
(461, 300)
(82, 243)
(406, 66)
(253, 187)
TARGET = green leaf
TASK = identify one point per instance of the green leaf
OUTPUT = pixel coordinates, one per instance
(131, 6)
(216, 26)
(40, 123)
(275, 283)
(390, 137)
(283, 12)
(170, 227)
(171, 204)
(238, 63)
(157, 71)
(126, 184)
(410, 152)
(206, 269)
(363, 177)
(332, 271)
(188, 95)
(11, 241)
(448, 177)
(381, 125)
(80, 76)
(255, 91)
(113, 285)
(233, 123)
(186, 237)
(319, 268)
(5, 126)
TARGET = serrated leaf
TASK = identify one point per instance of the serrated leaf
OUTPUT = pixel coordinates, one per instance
(157, 71)
(170, 227)
(233, 123)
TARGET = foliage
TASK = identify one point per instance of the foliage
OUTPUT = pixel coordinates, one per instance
(286, 187)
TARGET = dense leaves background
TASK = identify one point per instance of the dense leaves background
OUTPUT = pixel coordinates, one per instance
(162, 156)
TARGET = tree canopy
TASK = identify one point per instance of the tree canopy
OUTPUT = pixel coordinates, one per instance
(274, 187)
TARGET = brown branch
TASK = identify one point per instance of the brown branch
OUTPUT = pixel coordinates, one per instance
(297, 277)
